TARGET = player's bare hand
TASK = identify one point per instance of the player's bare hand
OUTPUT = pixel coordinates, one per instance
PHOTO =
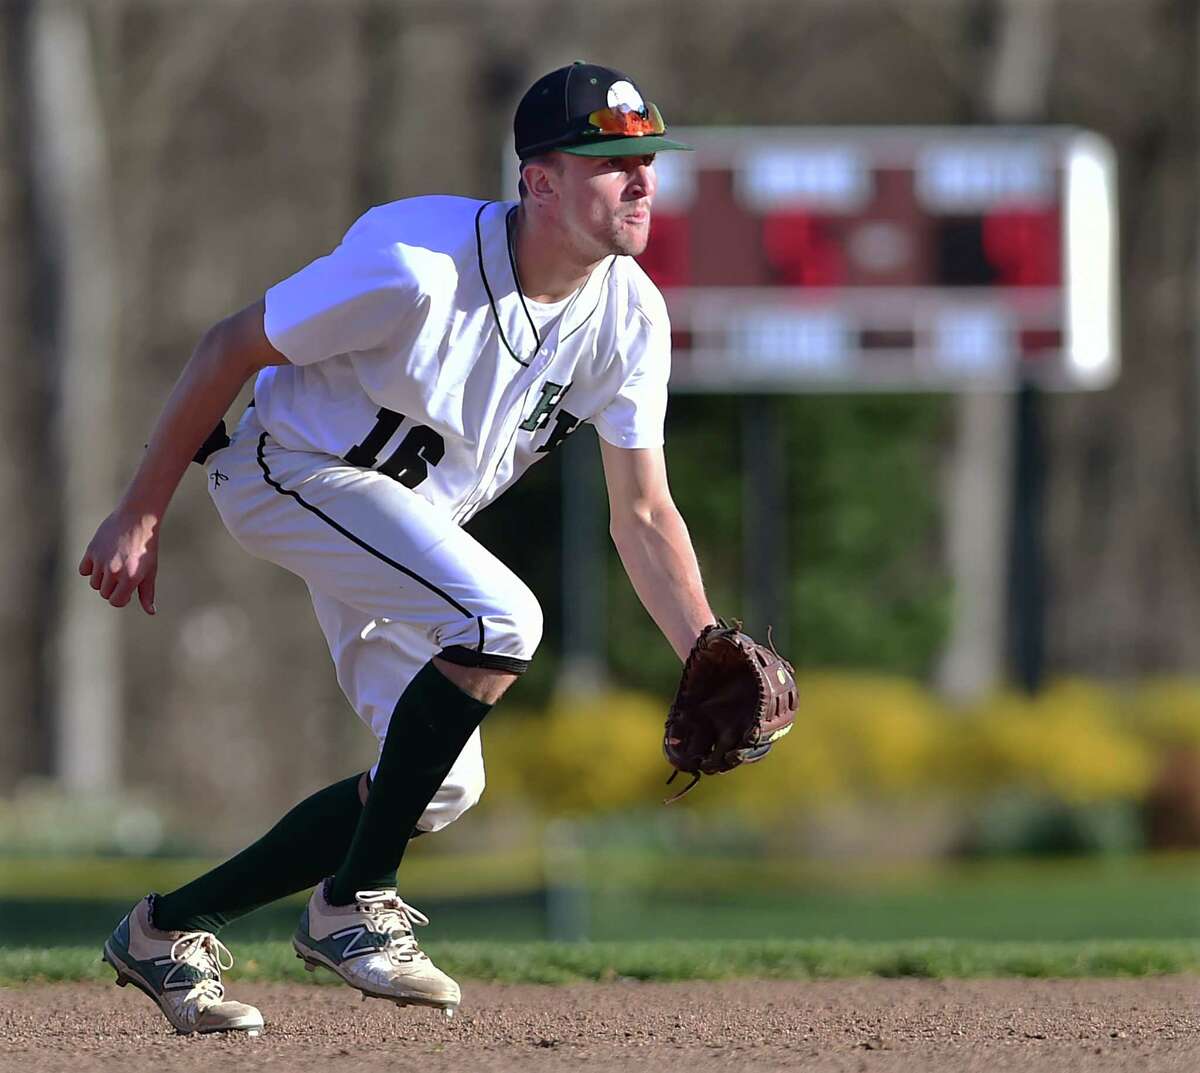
(123, 558)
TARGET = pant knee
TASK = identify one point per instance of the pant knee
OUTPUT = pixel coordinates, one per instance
(504, 636)
(451, 801)
(526, 621)
(516, 628)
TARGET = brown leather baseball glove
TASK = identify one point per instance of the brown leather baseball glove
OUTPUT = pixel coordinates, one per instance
(736, 698)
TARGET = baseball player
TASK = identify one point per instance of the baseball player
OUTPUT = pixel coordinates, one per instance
(402, 383)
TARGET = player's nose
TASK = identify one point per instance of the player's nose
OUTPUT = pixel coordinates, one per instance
(642, 179)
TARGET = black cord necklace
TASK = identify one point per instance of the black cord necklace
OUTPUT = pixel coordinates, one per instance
(509, 229)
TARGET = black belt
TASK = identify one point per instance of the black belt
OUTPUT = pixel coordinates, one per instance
(217, 439)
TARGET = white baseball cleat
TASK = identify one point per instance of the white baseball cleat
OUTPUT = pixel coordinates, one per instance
(371, 946)
(181, 972)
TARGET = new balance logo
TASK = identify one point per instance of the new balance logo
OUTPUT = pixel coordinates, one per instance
(360, 940)
(181, 977)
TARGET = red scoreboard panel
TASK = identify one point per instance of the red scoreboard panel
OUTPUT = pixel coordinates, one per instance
(809, 259)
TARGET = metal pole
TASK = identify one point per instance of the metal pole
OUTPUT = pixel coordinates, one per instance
(1028, 588)
(568, 907)
(584, 567)
(978, 509)
(766, 579)
(1021, 42)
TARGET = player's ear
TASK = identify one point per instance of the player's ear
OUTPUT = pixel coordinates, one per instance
(541, 177)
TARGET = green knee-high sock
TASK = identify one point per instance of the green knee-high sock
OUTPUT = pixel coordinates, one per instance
(431, 723)
(297, 853)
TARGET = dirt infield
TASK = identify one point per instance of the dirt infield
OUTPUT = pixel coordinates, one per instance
(877, 1026)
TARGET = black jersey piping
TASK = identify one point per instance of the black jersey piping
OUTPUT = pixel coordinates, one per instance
(473, 498)
(512, 265)
(599, 298)
(524, 305)
(492, 298)
(262, 462)
(458, 654)
(487, 286)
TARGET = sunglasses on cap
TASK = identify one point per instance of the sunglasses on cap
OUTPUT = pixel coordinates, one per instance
(617, 121)
(621, 119)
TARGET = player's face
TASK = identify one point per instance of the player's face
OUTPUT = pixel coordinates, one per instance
(605, 202)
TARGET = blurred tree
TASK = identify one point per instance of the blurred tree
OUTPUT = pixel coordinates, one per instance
(704, 466)
(866, 586)
(1121, 484)
(25, 461)
(76, 229)
(869, 588)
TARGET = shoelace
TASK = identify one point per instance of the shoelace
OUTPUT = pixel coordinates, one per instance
(394, 917)
(203, 950)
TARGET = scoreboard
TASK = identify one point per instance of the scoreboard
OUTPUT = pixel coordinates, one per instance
(874, 259)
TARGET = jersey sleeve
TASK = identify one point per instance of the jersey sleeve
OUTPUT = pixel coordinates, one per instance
(349, 300)
(634, 418)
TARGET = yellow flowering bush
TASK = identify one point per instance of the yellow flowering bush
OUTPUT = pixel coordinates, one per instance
(864, 737)
(585, 753)
(886, 734)
(1166, 712)
(1066, 741)
(856, 736)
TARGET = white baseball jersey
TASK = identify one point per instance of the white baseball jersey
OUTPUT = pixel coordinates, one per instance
(414, 352)
(422, 385)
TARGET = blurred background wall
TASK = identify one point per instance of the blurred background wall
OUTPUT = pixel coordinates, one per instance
(162, 163)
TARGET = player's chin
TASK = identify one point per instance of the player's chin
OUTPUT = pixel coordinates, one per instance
(632, 236)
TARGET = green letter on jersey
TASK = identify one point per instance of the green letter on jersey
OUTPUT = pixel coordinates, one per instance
(564, 425)
(552, 395)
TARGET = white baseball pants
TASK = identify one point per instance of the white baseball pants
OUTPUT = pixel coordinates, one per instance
(394, 581)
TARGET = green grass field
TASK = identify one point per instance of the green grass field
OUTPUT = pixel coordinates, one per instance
(557, 963)
(658, 917)
(631, 896)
